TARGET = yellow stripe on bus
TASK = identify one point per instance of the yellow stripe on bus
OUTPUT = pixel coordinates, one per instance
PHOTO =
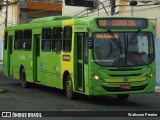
(129, 80)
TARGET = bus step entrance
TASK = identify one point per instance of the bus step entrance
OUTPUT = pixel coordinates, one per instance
(80, 92)
(38, 83)
(80, 89)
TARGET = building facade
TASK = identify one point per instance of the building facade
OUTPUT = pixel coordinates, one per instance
(23, 11)
(8, 16)
(30, 9)
(12, 15)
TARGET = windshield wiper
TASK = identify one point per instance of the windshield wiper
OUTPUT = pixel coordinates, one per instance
(115, 40)
(133, 37)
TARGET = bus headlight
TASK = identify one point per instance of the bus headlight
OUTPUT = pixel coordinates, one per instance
(151, 75)
(96, 77)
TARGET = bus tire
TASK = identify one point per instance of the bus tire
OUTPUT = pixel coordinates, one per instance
(23, 79)
(123, 97)
(69, 88)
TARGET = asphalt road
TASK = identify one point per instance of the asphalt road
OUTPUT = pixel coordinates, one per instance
(40, 98)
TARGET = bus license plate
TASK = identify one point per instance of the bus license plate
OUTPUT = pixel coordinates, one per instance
(125, 87)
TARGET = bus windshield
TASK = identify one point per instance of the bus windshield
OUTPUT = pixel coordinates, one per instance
(120, 49)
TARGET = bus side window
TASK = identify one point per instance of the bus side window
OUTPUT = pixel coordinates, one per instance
(5, 40)
(18, 43)
(46, 39)
(57, 39)
(67, 39)
(27, 41)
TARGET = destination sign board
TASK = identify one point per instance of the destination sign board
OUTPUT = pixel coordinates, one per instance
(122, 22)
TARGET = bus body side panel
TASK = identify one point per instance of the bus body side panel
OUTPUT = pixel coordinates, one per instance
(16, 64)
(28, 66)
(45, 64)
(22, 58)
(68, 64)
(55, 69)
(5, 62)
(50, 69)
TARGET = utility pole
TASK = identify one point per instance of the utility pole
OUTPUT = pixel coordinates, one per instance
(131, 10)
(113, 6)
(6, 19)
(132, 4)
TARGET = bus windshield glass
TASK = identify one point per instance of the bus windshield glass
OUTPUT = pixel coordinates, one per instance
(120, 49)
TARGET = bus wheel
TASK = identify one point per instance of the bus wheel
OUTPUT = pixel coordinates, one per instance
(123, 97)
(23, 79)
(69, 88)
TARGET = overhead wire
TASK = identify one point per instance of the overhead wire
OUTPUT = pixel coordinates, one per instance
(84, 12)
(141, 9)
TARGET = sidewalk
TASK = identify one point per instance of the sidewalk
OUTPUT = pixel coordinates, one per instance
(157, 88)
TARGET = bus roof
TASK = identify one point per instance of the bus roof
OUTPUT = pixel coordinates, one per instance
(54, 18)
(77, 19)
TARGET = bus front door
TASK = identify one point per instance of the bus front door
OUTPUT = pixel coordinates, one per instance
(10, 50)
(81, 62)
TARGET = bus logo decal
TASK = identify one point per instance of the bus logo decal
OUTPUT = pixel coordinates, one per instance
(126, 79)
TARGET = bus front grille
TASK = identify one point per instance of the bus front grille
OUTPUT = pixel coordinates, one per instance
(118, 89)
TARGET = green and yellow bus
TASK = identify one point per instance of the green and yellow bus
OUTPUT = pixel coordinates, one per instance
(94, 56)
